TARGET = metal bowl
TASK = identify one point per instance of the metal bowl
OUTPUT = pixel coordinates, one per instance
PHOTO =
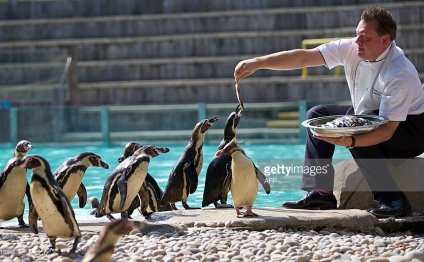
(314, 125)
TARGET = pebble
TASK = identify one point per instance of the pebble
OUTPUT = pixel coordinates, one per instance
(201, 243)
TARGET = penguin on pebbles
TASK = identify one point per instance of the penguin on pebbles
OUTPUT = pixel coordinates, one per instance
(183, 179)
(124, 184)
(50, 204)
(241, 179)
(14, 186)
(70, 173)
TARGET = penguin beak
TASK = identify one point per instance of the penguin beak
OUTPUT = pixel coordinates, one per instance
(104, 165)
(208, 123)
(28, 147)
(163, 150)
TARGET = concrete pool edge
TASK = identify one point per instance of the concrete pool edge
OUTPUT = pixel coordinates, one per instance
(354, 220)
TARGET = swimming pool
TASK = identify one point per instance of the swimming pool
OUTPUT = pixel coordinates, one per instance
(268, 158)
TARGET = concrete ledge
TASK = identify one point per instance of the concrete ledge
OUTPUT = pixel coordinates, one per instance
(269, 218)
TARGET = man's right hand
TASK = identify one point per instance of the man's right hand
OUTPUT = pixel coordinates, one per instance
(245, 68)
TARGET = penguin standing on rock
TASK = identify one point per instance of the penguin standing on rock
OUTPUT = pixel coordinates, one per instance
(49, 203)
(124, 184)
(217, 169)
(69, 175)
(241, 179)
(14, 186)
(183, 179)
(102, 251)
(150, 194)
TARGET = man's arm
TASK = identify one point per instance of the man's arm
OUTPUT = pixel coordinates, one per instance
(380, 135)
(285, 60)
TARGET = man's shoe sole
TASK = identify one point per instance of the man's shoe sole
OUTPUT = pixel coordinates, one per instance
(321, 207)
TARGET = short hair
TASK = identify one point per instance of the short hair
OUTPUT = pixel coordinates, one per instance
(385, 22)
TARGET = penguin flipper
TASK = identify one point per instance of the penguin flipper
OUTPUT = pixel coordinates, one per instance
(227, 183)
(191, 173)
(262, 179)
(82, 195)
(122, 185)
(32, 219)
(68, 212)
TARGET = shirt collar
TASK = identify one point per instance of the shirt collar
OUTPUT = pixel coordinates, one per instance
(383, 55)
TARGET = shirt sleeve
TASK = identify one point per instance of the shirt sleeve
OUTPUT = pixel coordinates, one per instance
(396, 99)
(334, 52)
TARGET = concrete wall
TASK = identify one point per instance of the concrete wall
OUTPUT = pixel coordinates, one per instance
(163, 51)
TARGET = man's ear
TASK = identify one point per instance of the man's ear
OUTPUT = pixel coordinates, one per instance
(385, 41)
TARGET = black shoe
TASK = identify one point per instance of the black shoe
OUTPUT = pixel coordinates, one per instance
(397, 208)
(314, 200)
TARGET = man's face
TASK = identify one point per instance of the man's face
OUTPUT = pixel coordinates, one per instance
(368, 43)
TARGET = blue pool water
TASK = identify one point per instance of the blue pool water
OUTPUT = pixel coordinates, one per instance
(270, 159)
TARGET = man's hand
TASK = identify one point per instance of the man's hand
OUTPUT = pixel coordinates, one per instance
(245, 68)
(339, 141)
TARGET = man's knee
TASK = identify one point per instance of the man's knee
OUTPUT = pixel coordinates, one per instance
(316, 111)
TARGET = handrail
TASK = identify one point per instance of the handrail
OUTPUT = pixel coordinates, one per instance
(316, 42)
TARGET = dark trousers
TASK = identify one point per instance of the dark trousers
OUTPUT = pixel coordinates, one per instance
(373, 161)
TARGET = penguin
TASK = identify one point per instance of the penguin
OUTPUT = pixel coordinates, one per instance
(124, 184)
(183, 179)
(70, 173)
(102, 251)
(216, 172)
(50, 204)
(150, 194)
(241, 179)
(14, 186)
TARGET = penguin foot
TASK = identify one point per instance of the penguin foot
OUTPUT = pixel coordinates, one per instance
(250, 214)
(23, 225)
(187, 206)
(224, 206)
(50, 250)
(110, 217)
(147, 215)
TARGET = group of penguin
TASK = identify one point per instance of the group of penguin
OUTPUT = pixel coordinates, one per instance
(128, 187)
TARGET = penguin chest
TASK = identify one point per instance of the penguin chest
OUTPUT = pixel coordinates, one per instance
(54, 223)
(12, 194)
(199, 162)
(134, 183)
(70, 188)
(244, 187)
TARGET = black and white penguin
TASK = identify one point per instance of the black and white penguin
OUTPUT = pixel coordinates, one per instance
(183, 179)
(150, 194)
(217, 169)
(14, 186)
(124, 184)
(241, 179)
(70, 173)
(50, 204)
(216, 172)
(102, 251)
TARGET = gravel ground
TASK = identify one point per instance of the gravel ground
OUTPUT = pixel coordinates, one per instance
(223, 244)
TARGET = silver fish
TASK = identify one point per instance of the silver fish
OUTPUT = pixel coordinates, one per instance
(347, 121)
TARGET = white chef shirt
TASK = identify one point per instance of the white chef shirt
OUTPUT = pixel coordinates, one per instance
(390, 84)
